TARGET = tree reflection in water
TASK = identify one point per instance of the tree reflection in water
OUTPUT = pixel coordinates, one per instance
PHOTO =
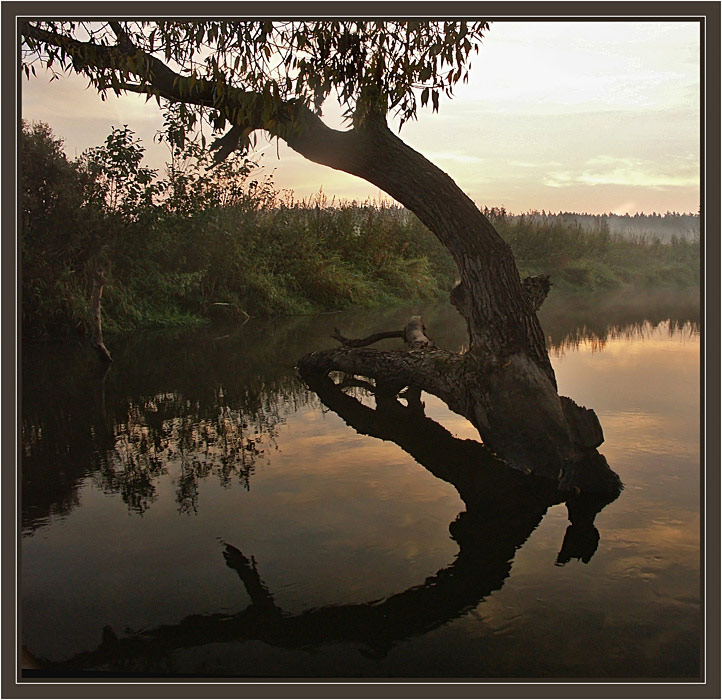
(165, 433)
(123, 427)
(173, 406)
(161, 409)
(503, 507)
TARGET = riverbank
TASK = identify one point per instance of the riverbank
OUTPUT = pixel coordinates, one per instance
(301, 259)
(224, 243)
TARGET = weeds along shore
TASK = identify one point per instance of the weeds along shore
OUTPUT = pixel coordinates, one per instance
(204, 242)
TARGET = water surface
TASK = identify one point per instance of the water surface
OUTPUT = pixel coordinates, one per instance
(198, 510)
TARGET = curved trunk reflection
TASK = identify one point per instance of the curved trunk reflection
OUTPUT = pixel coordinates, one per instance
(503, 507)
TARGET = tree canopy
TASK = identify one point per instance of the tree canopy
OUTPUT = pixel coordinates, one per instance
(263, 74)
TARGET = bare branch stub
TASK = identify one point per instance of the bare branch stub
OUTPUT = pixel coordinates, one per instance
(536, 289)
(413, 333)
(368, 340)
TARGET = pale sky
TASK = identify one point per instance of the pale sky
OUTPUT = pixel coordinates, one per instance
(575, 116)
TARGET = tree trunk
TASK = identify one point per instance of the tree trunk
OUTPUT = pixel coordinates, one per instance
(504, 384)
(97, 327)
(500, 317)
(514, 407)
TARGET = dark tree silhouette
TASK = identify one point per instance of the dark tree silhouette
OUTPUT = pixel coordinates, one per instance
(275, 77)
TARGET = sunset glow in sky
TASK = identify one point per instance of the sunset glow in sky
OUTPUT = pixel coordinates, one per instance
(578, 116)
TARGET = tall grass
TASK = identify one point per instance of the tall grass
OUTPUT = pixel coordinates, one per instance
(226, 243)
(578, 257)
(306, 257)
(302, 257)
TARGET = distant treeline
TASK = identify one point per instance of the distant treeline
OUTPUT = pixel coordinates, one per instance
(648, 227)
(204, 242)
(593, 257)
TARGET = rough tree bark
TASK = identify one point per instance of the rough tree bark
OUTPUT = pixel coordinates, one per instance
(504, 384)
(570, 459)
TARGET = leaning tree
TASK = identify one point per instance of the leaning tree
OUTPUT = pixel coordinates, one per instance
(275, 76)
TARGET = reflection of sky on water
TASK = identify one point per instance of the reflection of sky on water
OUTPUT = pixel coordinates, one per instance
(645, 388)
(646, 394)
(335, 517)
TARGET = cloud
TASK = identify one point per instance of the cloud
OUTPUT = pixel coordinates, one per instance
(563, 115)
(547, 67)
(453, 156)
(630, 172)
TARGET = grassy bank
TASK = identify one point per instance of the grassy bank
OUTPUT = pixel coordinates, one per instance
(235, 261)
(199, 244)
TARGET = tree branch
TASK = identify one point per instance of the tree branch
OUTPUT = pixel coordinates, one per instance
(124, 40)
(248, 573)
(127, 58)
(429, 368)
(369, 340)
(290, 120)
(228, 143)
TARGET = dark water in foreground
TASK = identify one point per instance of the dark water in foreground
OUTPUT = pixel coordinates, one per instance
(199, 510)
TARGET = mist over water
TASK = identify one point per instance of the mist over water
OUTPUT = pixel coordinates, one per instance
(208, 508)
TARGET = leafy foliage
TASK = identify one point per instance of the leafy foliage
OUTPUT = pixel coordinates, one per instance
(51, 242)
(380, 66)
(114, 177)
(202, 242)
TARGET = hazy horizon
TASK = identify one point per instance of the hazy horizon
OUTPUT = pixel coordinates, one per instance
(589, 117)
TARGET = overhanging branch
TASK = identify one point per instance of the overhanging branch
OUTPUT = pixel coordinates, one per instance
(289, 120)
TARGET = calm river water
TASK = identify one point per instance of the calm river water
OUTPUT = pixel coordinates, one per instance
(198, 510)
